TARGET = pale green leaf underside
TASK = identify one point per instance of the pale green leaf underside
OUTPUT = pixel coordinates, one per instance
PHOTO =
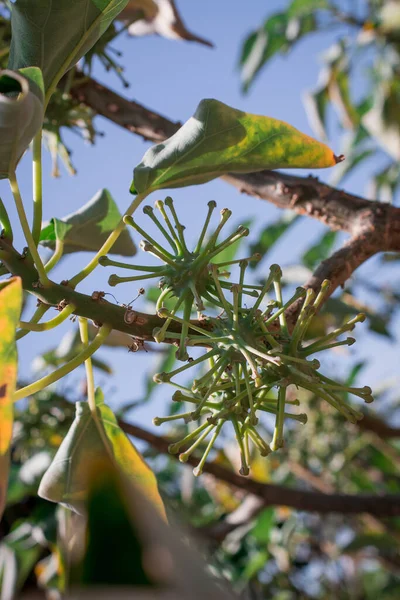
(84, 447)
(89, 227)
(21, 114)
(218, 140)
(55, 34)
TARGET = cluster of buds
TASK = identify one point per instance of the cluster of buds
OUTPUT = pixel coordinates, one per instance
(192, 277)
(251, 356)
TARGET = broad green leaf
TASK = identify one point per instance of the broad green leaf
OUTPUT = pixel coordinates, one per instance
(218, 140)
(319, 251)
(21, 114)
(271, 234)
(88, 441)
(55, 34)
(89, 227)
(10, 312)
(298, 8)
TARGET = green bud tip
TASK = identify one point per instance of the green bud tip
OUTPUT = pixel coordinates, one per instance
(314, 364)
(113, 280)
(159, 204)
(275, 270)
(302, 417)
(161, 377)
(244, 470)
(184, 457)
(257, 256)
(368, 399)
(212, 204)
(163, 313)
(128, 220)
(197, 471)
(174, 448)
(253, 420)
(168, 201)
(147, 210)
(325, 285)
(178, 396)
(104, 261)
(158, 335)
(157, 421)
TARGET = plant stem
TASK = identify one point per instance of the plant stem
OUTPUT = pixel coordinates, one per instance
(5, 222)
(84, 331)
(58, 252)
(38, 314)
(27, 232)
(110, 241)
(65, 369)
(60, 318)
(37, 186)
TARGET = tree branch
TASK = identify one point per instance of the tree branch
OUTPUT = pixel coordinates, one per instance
(279, 495)
(374, 227)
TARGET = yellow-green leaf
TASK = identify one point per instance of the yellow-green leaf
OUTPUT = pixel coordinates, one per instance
(88, 441)
(219, 139)
(10, 312)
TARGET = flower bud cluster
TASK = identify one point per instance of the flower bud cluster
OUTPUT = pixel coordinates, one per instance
(251, 357)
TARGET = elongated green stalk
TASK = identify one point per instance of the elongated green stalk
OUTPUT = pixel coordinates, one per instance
(27, 232)
(277, 440)
(37, 186)
(58, 252)
(38, 314)
(65, 369)
(110, 241)
(5, 222)
(60, 318)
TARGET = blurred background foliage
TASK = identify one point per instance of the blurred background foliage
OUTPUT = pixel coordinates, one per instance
(263, 552)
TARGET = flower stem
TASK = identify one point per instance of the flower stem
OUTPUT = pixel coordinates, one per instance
(57, 255)
(38, 314)
(65, 369)
(37, 186)
(27, 232)
(5, 222)
(60, 318)
(108, 244)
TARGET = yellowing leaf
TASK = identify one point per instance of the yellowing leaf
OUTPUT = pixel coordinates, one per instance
(10, 312)
(218, 140)
(87, 443)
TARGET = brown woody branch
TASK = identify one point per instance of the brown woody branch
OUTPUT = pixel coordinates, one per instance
(279, 495)
(374, 227)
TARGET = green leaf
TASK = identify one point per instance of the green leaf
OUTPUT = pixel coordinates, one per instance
(55, 34)
(10, 312)
(278, 35)
(89, 227)
(263, 526)
(218, 140)
(21, 114)
(271, 234)
(298, 8)
(19, 552)
(319, 251)
(89, 440)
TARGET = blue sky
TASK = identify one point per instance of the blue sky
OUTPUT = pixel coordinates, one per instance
(171, 77)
